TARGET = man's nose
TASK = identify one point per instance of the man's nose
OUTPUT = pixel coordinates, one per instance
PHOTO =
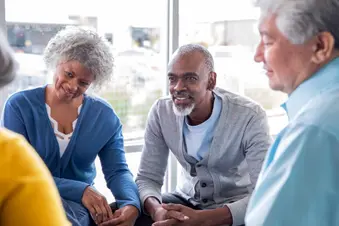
(180, 85)
(259, 53)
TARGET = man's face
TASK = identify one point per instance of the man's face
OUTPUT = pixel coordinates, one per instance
(286, 64)
(188, 82)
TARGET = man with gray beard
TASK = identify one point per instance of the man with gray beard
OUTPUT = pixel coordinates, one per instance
(219, 138)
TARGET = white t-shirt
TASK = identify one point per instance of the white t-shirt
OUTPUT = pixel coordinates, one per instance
(63, 139)
(198, 138)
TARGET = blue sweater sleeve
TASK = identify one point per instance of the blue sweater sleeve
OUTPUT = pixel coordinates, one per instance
(70, 189)
(117, 174)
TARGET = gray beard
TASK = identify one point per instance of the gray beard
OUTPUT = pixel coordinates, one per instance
(183, 111)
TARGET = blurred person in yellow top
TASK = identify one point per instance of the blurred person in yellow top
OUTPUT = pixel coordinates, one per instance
(28, 195)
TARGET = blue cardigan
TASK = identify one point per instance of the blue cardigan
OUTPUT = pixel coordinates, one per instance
(98, 132)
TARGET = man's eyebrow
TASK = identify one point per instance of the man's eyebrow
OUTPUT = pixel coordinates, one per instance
(190, 74)
(184, 74)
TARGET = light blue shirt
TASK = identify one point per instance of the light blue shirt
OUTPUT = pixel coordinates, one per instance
(198, 138)
(299, 181)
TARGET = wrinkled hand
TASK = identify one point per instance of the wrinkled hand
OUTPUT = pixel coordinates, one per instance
(97, 205)
(188, 216)
(125, 216)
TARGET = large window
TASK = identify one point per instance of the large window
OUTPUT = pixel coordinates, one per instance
(131, 26)
(143, 33)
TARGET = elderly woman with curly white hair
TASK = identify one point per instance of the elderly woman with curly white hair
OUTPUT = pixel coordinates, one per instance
(69, 129)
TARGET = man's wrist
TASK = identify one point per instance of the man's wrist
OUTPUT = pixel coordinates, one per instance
(155, 212)
(152, 204)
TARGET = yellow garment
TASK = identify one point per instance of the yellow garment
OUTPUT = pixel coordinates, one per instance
(28, 195)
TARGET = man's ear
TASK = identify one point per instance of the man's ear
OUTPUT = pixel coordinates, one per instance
(323, 47)
(212, 80)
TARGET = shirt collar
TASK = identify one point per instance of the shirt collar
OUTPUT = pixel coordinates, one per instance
(322, 79)
(213, 115)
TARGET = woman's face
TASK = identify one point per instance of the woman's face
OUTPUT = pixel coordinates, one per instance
(72, 80)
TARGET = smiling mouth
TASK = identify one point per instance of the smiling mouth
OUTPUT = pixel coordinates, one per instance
(68, 93)
(182, 100)
(267, 70)
(269, 73)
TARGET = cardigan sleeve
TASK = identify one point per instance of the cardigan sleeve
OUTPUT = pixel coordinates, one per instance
(70, 189)
(117, 174)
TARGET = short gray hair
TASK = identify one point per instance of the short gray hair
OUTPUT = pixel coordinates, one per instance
(191, 48)
(84, 46)
(300, 20)
(8, 65)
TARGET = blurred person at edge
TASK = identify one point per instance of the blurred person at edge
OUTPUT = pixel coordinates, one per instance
(28, 195)
(299, 49)
(69, 129)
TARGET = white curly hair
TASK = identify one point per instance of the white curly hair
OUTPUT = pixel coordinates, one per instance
(84, 46)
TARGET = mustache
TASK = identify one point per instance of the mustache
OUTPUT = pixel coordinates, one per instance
(181, 94)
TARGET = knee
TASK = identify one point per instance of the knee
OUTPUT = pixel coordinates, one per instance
(76, 212)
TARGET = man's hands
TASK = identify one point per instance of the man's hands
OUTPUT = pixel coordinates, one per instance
(211, 217)
(180, 215)
(159, 214)
(97, 205)
(162, 214)
(125, 216)
(176, 214)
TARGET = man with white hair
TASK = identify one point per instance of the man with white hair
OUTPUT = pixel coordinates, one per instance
(299, 48)
(219, 138)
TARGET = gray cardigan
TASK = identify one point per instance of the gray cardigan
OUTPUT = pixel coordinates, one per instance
(228, 173)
